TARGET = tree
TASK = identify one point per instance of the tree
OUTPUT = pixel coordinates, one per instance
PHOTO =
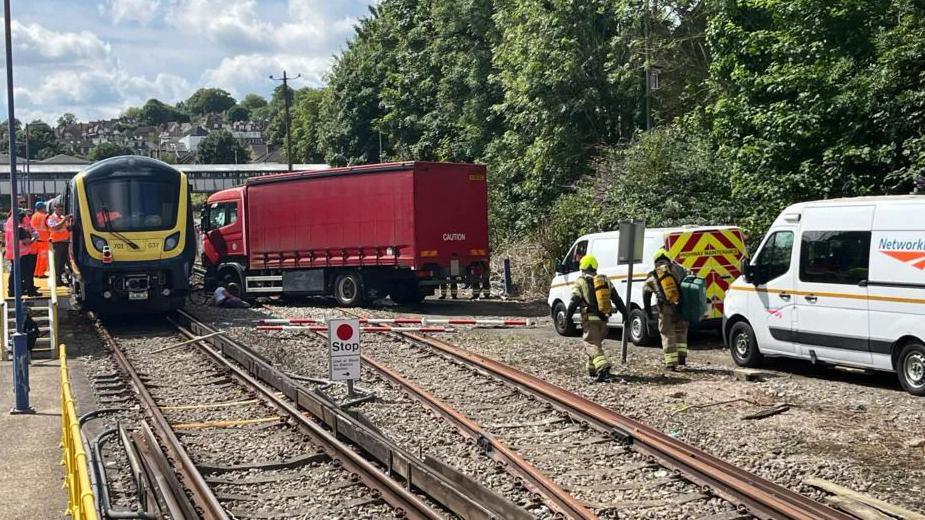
(817, 99)
(208, 101)
(237, 113)
(253, 102)
(107, 150)
(306, 122)
(43, 143)
(5, 134)
(155, 113)
(67, 119)
(221, 148)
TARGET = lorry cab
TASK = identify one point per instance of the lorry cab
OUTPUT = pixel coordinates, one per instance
(712, 253)
(223, 227)
(839, 282)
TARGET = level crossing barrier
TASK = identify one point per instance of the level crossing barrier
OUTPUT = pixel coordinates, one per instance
(80, 499)
(406, 321)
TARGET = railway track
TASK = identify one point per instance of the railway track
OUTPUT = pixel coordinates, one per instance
(585, 460)
(239, 448)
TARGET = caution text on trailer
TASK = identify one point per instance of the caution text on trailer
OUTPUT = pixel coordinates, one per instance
(344, 349)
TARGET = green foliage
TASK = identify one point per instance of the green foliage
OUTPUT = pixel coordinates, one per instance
(306, 121)
(207, 101)
(155, 113)
(221, 148)
(253, 102)
(237, 113)
(43, 143)
(67, 119)
(107, 150)
(818, 98)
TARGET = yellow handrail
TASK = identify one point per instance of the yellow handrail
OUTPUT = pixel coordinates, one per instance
(81, 503)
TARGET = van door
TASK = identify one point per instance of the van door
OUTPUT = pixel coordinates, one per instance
(562, 285)
(832, 295)
(771, 305)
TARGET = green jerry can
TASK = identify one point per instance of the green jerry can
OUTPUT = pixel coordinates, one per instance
(693, 299)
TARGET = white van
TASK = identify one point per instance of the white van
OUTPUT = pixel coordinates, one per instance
(840, 282)
(712, 253)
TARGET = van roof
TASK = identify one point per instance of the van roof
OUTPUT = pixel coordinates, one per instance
(664, 230)
(853, 201)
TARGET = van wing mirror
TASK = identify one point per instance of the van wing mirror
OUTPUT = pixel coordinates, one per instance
(748, 272)
(560, 267)
(204, 218)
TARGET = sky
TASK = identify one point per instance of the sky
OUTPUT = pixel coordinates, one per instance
(95, 58)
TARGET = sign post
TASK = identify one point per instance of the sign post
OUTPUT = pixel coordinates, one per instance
(344, 351)
(632, 239)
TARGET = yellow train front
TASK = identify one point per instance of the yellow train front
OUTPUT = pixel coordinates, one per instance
(132, 238)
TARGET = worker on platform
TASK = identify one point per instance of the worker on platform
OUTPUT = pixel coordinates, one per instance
(665, 283)
(597, 298)
(41, 243)
(454, 289)
(481, 283)
(26, 254)
(59, 232)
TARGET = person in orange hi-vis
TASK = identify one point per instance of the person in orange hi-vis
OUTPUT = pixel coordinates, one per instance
(41, 244)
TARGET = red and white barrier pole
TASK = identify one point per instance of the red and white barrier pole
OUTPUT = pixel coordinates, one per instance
(407, 321)
(323, 328)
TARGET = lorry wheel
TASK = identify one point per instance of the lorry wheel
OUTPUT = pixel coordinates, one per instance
(639, 328)
(911, 368)
(348, 289)
(558, 319)
(743, 345)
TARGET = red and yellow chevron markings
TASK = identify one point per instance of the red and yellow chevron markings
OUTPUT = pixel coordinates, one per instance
(714, 255)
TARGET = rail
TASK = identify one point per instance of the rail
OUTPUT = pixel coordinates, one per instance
(761, 497)
(80, 499)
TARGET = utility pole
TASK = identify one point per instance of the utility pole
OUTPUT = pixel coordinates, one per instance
(20, 350)
(285, 79)
(27, 193)
(645, 31)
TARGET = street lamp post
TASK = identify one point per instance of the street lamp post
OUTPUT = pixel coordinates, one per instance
(20, 351)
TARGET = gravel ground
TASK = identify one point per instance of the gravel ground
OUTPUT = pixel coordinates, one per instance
(184, 377)
(604, 475)
(858, 430)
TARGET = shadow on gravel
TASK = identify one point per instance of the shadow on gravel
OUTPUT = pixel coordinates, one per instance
(661, 379)
(872, 379)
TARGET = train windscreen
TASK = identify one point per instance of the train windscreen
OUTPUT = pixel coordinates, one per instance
(133, 203)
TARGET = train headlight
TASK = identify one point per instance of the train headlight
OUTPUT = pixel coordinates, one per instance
(99, 243)
(171, 242)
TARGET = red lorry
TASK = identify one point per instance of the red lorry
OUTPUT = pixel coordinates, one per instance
(357, 233)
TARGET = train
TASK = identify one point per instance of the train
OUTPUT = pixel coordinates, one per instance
(358, 233)
(133, 243)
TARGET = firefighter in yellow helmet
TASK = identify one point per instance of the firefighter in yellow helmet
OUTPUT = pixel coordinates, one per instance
(665, 283)
(597, 298)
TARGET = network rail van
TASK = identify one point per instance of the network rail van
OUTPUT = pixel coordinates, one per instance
(712, 253)
(838, 282)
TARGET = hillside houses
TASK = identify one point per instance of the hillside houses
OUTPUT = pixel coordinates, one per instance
(174, 141)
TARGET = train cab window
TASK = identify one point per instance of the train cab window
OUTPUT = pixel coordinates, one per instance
(133, 203)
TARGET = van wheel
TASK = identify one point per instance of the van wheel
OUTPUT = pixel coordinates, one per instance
(743, 345)
(348, 289)
(911, 369)
(639, 328)
(563, 327)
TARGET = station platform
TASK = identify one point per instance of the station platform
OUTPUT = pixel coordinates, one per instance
(31, 473)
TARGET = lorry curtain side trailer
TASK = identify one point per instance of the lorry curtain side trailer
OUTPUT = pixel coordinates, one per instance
(357, 233)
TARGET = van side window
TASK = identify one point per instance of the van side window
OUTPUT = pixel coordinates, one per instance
(841, 257)
(580, 250)
(776, 253)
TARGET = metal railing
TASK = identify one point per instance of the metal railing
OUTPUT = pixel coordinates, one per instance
(80, 499)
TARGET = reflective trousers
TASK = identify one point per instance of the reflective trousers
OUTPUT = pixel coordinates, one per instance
(41, 260)
(454, 291)
(593, 333)
(673, 329)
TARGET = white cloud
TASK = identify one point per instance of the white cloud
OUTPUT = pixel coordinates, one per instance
(138, 11)
(230, 23)
(247, 73)
(36, 45)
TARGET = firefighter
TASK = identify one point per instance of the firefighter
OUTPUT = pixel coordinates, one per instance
(41, 244)
(665, 283)
(454, 289)
(597, 298)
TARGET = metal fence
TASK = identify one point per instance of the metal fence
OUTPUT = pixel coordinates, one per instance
(80, 499)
